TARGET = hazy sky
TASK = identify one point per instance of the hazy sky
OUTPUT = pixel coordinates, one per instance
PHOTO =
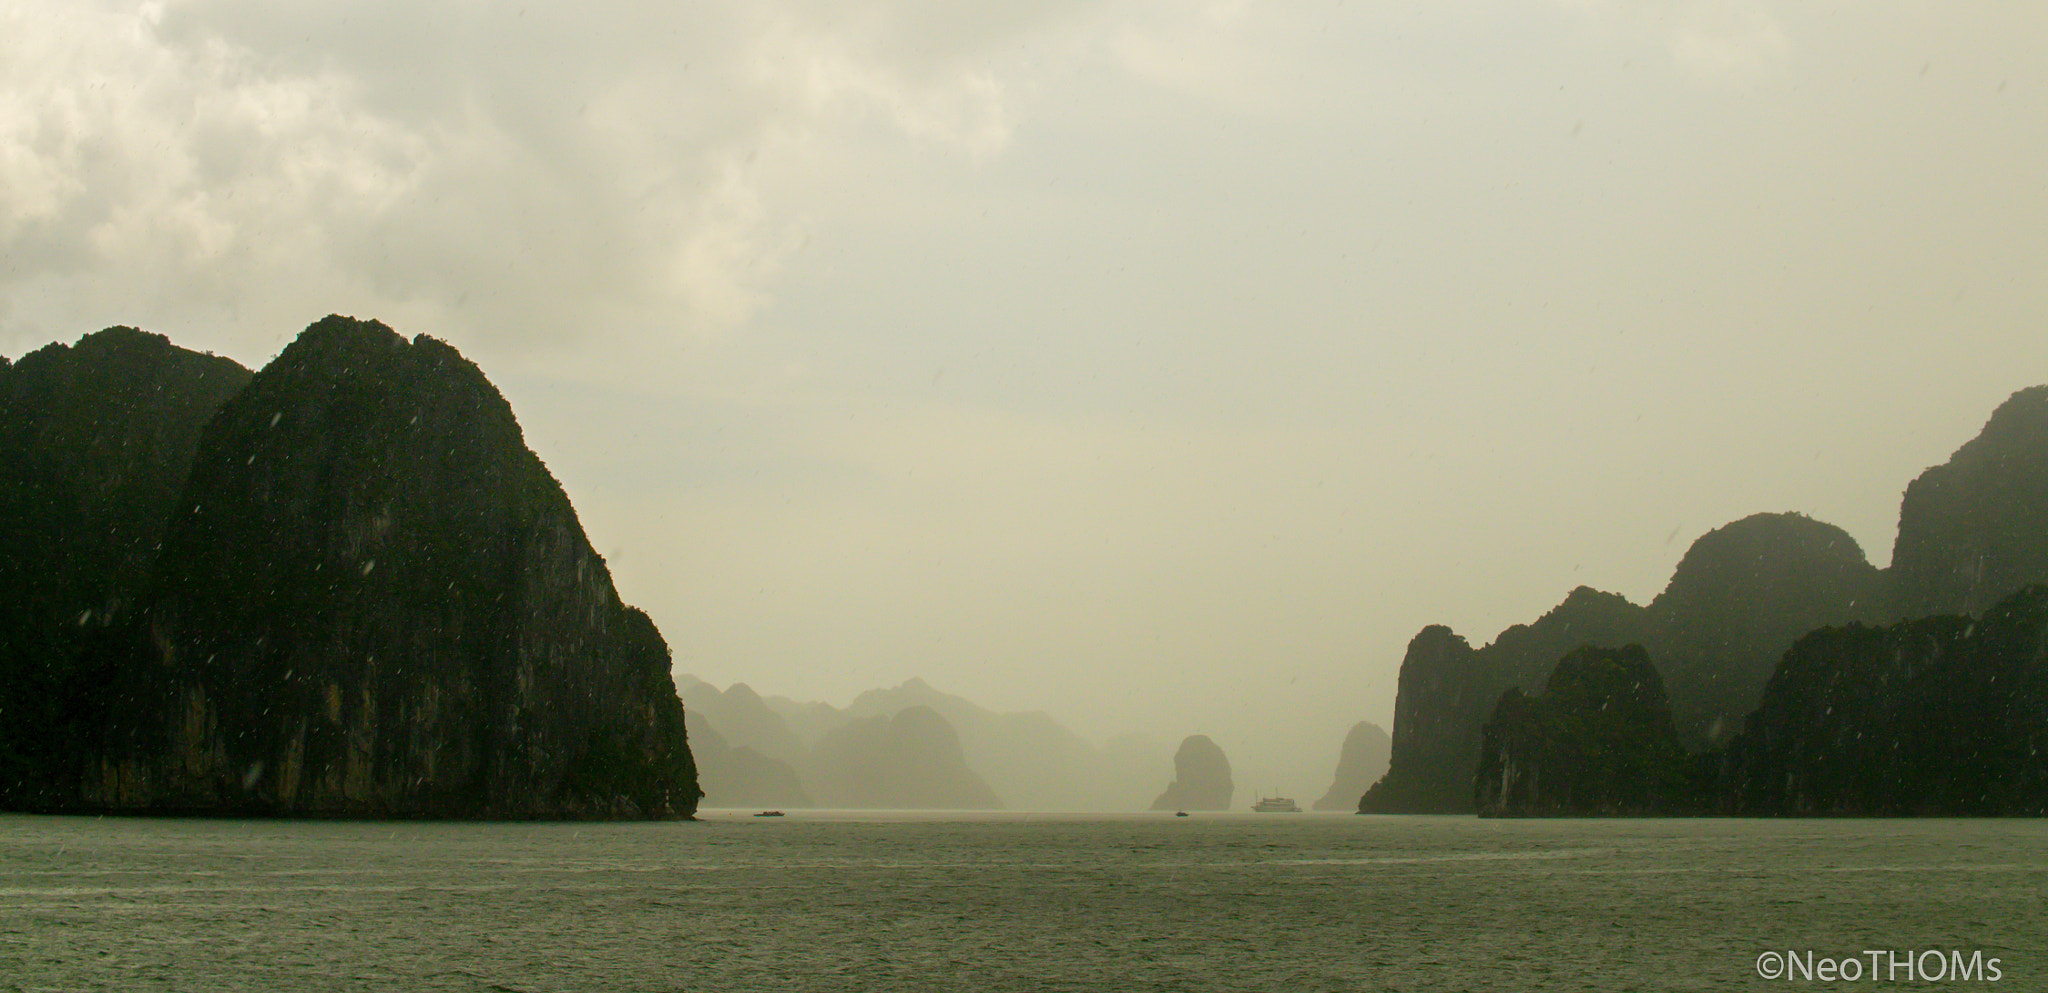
(1161, 365)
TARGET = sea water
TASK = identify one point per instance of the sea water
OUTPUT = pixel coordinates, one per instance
(963, 901)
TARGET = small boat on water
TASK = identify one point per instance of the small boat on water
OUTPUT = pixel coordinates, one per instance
(1276, 805)
(769, 813)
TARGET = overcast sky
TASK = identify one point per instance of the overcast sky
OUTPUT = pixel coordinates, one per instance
(1162, 365)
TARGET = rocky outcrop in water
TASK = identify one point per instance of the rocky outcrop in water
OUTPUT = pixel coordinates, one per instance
(1598, 742)
(1975, 529)
(1360, 763)
(1739, 598)
(1447, 689)
(1971, 531)
(373, 600)
(910, 760)
(1201, 777)
(97, 439)
(1942, 716)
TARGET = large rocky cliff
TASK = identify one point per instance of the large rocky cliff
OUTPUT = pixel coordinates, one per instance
(96, 439)
(1447, 689)
(1739, 598)
(1201, 777)
(1939, 716)
(373, 600)
(1971, 531)
(1975, 529)
(1598, 741)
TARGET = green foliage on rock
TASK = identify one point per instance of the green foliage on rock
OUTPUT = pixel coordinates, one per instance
(97, 439)
(1940, 716)
(371, 599)
(1598, 742)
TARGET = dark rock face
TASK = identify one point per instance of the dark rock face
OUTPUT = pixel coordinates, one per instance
(1201, 777)
(1740, 597)
(1434, 728)
(908, 761)
(97, 439)
(1598, 742)
(373, 600)
(1360, 763)
(1970, 532)
(1975, 529)
(1447, 689)
(1941, 716)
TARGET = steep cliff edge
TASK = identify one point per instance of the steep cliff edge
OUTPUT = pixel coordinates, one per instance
(1598, 742)
(96, 439)
(1447, 689)
(373, 600)
(1941, 716)
(1201, 777)
(1737, 600)
(1975, 529)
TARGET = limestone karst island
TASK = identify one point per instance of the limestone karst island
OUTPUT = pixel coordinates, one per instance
(341, 586)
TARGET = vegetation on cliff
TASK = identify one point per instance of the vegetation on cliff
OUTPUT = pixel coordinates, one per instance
(1940, 716)
(1740, 597)
(1971, 532)
(97, 439)
(373, 600)
(1447, 689)
(1598, 741)
(1975, 528)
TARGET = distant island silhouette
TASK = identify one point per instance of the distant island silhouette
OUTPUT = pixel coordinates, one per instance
(342, 586)
(1799, 678)
(1201, 777)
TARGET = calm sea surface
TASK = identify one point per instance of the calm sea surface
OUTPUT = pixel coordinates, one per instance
(864, 901)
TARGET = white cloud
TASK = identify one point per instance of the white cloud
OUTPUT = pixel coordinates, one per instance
(1220, 331)
(519, 171)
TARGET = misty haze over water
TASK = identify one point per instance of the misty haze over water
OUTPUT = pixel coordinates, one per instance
(1080, 379)
(1162, 368)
